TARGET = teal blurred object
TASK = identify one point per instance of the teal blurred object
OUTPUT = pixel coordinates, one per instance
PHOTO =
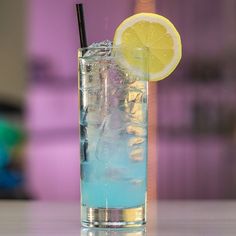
(10, 179)
(3, 157)
(10, 137)
(10, 134)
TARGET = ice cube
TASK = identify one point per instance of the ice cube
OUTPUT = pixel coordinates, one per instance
(137, 154)
(135, 141)
(115, 173)
(106, 45)
(136, 129)
(136, 182)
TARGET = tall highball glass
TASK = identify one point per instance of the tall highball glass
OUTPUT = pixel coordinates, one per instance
(113, 136)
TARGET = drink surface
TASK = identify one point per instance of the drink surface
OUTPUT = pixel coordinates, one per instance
(113, 134)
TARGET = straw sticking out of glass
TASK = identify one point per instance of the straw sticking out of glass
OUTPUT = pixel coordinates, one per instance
(81, 25)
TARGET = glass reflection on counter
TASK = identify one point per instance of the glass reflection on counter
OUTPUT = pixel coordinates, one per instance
(113, 232)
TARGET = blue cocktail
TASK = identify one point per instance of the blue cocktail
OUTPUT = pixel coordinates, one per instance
(113, 138)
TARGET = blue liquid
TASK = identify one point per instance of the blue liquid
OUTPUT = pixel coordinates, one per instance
(114, 184)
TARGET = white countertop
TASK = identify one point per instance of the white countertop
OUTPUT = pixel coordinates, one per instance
(190, 218)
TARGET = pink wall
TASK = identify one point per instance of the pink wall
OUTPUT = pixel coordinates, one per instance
(53, 31)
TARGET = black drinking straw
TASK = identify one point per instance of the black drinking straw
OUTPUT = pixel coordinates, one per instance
(82, 32)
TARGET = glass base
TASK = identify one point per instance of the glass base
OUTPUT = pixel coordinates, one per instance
(113, 217)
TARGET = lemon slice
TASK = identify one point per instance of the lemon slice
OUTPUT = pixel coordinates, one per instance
(158, 34)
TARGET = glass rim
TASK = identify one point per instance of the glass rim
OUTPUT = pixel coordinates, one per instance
(116, 46)
(105, 48)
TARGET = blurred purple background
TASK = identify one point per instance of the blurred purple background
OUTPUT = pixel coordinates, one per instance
(196, 106)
